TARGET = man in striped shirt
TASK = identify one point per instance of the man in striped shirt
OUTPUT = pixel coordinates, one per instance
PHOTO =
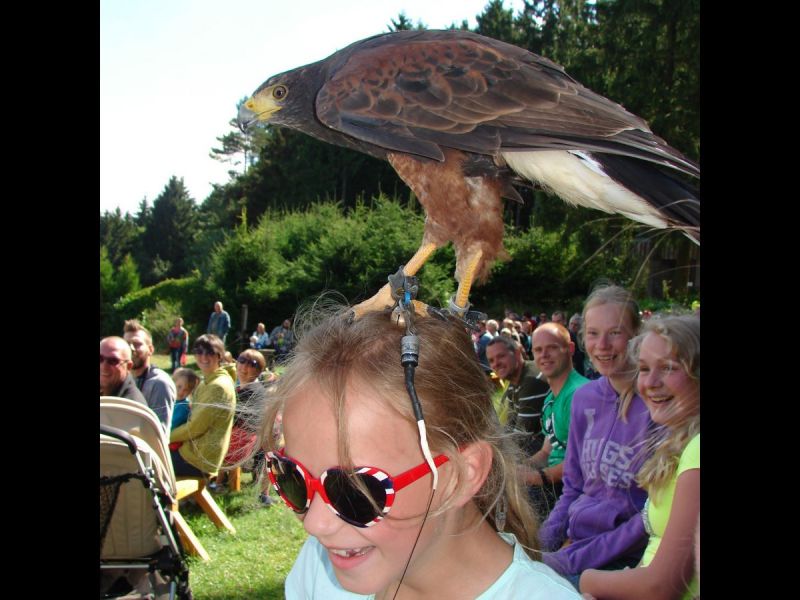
(522, 401)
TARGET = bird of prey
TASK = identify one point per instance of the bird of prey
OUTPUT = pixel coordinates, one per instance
(464, 118)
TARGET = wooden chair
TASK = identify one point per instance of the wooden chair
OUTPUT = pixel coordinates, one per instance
(235, 479)
(195, 487)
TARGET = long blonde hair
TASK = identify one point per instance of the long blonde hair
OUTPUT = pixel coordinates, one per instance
(682, 335)
(614, 294)
(332, 351)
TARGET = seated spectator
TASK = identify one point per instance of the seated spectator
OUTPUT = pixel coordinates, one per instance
(156, 386)
(669, 381)
(552, 353)
(579, 356)
(490, 332)
(115, 364)
(207, 432)
(186, 381)
(260, 338)
(229, 365)
(524, 339)
(597, 521)
(508, 330)
(178, 342)
(282, 340)
(520, 408)
(250, 397)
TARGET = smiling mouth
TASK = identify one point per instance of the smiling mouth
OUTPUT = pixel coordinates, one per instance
(605, 359)
(349, 552)
(659, 399)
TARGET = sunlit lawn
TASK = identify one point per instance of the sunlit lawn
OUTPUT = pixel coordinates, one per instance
(254, 562)
(162, 361)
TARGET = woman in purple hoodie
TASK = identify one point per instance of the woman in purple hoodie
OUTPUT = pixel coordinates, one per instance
(597, 521)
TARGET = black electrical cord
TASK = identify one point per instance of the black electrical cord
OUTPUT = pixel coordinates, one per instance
(409, 358)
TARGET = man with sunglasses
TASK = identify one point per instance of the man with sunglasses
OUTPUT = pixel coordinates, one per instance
(115, 364)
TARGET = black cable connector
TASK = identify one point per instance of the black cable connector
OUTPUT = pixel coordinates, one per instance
(409, 350)
(409, 358)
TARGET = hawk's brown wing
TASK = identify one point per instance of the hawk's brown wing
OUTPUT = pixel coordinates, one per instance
(414, 91)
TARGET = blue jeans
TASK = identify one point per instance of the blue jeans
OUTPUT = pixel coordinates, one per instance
(183, 468)
(175, 355)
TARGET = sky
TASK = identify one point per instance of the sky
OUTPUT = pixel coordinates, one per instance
(172, 71)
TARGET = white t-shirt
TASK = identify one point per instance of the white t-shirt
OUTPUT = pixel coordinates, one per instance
(312, 576)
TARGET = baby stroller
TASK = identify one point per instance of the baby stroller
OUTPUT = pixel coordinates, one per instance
(140, 552)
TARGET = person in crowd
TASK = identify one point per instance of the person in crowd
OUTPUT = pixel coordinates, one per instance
(597, 521)
(186, 381)
(379, 525)
(487, 336)
(155, 384)
(520, 407)
(178, 343)
(523, 330)
(668, 355)
(206, 435)
(282, 340)
(558, 317)
(579, 356)
(219, 323)
(260, 338)
(552, 353)
(229, 364)
(250, 398)
(509, 330)
(115, 365)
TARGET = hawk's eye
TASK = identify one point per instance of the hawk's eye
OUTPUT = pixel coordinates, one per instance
(279, 93)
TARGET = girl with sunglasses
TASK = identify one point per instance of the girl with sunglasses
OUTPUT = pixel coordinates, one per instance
(250, 396)
(352, 468)
(668, 354)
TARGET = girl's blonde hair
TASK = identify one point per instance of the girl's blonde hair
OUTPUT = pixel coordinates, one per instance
(614, 294)
(335, 351)
(682, 335)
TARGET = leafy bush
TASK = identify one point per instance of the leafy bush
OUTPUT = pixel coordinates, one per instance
(159, 320)
(187, 297)
(289, 258)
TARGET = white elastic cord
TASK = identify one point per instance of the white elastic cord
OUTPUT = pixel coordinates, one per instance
(426, 451)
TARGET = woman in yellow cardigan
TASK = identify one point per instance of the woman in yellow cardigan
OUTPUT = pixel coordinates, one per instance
(207, 433)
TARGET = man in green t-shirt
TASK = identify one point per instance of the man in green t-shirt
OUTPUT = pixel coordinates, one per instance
(552, 352)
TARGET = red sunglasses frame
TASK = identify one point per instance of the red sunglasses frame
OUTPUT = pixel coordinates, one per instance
(391, 485)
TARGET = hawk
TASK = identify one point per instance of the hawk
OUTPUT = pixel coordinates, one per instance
(463, 119)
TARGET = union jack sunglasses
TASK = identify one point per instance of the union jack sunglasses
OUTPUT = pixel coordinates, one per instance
(296, 486)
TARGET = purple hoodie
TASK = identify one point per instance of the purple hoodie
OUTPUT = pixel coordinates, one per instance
(600, 508)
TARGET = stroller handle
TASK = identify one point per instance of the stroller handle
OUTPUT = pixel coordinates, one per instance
(120, 435)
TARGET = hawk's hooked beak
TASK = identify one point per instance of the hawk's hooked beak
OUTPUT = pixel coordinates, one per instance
(259, 107)
(246, 116)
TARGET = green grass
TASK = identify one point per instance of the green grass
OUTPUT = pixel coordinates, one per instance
(163, 361)
(254, 562)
